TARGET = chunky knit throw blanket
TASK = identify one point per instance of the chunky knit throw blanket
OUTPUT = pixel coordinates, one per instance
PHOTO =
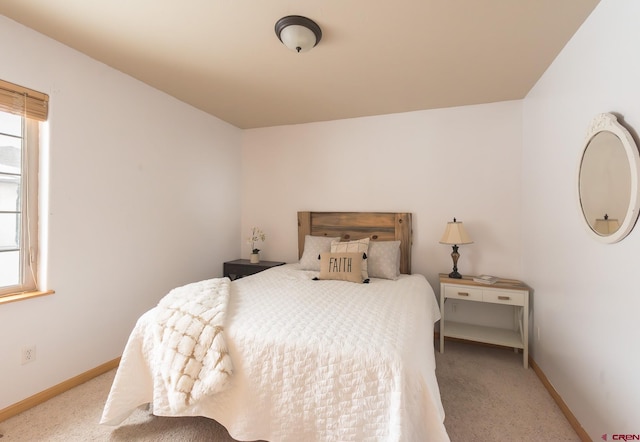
(191, 354)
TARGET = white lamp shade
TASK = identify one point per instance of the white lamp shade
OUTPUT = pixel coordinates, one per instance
(606, 226)
(455, 234)
(296, 36)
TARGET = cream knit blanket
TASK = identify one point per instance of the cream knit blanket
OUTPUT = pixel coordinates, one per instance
(191, 354)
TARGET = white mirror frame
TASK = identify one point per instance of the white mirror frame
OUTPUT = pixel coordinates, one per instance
(608, 122)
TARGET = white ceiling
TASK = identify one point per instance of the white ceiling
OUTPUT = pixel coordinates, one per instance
(376, 56)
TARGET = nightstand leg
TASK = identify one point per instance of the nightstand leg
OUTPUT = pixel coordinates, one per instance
(442, 301)
(525, 335)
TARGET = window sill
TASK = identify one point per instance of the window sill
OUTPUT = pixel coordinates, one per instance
(5, 299)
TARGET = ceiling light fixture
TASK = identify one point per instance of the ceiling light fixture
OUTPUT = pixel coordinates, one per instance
(298, 33)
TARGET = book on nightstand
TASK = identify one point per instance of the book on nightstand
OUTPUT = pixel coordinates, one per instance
(485, 279)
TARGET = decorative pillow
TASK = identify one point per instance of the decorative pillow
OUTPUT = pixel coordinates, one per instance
(383, 259)
(341, 266)
(360, 246)
(313, 246)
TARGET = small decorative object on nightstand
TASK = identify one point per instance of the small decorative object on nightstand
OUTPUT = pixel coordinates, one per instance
(256, 235)
(454, 235)
(503, 291)
(244, 267)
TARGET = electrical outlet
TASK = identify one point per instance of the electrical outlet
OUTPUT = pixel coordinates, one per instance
(28, 354)
(538, 332)
(454, 307)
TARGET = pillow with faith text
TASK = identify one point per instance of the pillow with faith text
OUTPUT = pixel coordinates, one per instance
(341, 266)
(359, 245)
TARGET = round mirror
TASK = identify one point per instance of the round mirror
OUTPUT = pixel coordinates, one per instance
(608, 180)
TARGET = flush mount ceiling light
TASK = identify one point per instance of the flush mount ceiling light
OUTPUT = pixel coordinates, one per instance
(298, 33)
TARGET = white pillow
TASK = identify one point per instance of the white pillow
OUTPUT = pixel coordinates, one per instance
(384, 259)
(356, 246)
(313, 247)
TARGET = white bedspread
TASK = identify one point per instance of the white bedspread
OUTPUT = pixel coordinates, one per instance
(313, 361)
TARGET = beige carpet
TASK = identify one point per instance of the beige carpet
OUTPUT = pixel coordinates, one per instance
(487, 396)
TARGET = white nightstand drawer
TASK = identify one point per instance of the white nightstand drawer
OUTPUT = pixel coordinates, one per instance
(503, 297)
(463, 292)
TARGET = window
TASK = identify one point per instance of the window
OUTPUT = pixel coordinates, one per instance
(19, 161)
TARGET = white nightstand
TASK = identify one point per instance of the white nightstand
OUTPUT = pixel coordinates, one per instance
(504, 291)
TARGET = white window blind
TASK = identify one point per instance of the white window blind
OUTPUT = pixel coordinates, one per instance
(21, 109)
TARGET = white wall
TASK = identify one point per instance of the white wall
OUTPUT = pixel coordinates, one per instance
(587, 298)
(463, 162)
(144, 195)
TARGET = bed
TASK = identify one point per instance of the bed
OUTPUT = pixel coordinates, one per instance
(299, 355)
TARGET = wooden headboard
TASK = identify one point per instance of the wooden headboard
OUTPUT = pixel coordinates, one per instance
(378, 226)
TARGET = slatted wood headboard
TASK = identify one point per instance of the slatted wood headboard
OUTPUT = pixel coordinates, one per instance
(378, 226)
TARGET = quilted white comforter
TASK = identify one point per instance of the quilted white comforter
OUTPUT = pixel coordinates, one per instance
(312, 361)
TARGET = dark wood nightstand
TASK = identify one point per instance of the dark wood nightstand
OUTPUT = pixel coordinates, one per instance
(243, 267)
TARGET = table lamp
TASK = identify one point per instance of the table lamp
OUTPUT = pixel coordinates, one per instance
(606, 225)
(454, 235)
